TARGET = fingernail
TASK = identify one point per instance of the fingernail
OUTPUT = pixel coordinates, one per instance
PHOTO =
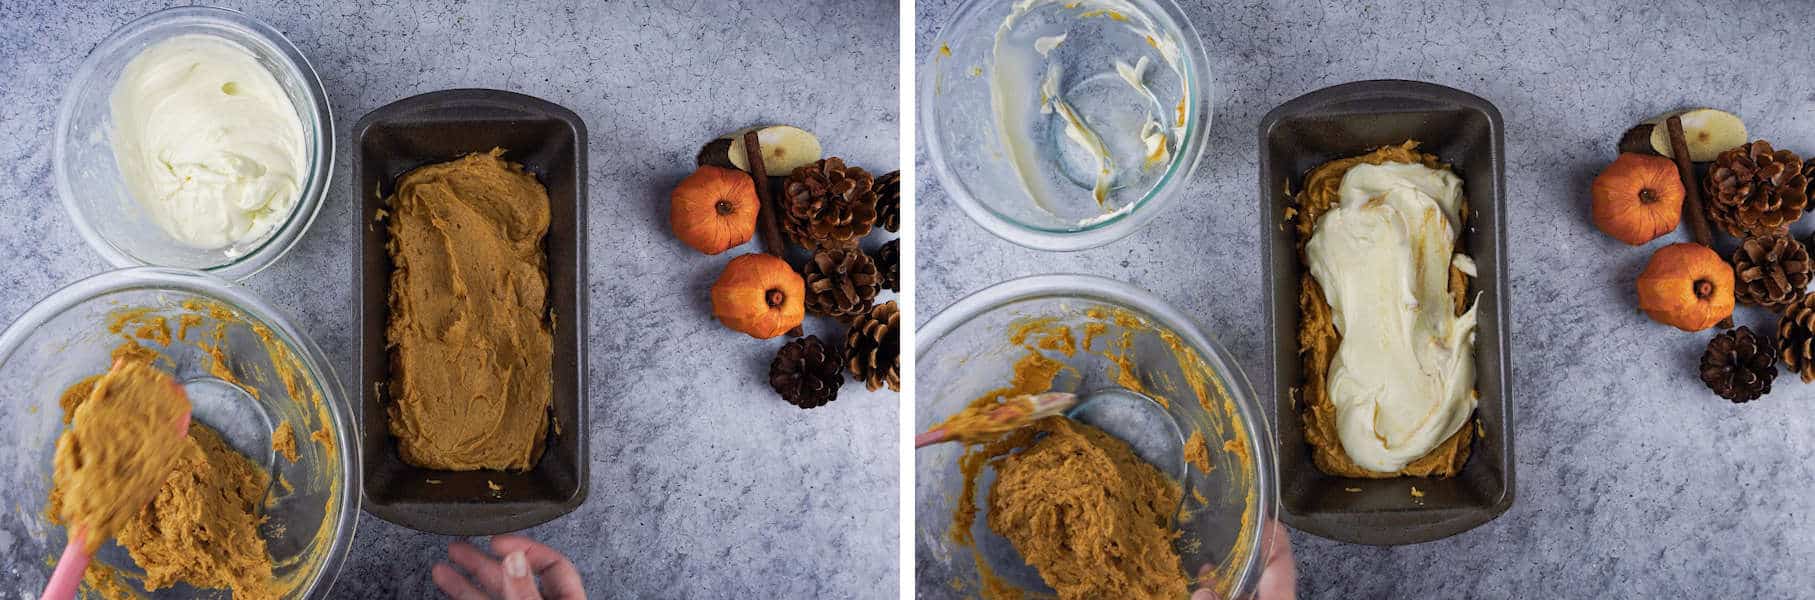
(515, 565)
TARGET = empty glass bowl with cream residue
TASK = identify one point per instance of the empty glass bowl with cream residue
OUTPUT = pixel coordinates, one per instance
(1143, 373)
(1061, 124)
(270, 373)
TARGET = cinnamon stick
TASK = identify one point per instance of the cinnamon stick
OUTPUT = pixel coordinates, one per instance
(766, 226)
(765, 213)
(1692, 193)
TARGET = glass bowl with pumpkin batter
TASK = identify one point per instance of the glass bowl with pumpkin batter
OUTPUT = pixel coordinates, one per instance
(1177, 453)
(265, 502)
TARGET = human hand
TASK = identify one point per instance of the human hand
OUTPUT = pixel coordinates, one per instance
(513, 577)
(1278, 577)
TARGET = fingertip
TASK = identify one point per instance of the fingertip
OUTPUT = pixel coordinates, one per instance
(463, 547)
(515, 565)
(534, 551)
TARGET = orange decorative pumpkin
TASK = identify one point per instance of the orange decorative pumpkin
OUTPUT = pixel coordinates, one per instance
(761, 295)
(1638, 198)
(714, 209)
(1686, 286)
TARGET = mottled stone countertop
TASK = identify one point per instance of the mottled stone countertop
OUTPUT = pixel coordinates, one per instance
(704, 484)
(1633, 481)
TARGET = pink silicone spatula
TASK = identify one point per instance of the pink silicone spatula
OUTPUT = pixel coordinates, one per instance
(1010, 416)
(64, 581)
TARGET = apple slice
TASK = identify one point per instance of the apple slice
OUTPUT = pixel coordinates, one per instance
(1709, 132)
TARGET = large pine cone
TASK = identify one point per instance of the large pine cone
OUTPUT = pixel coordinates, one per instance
(1739, 365)
(875, 347)
(826, 204)
(1796, 338)
(888, 261)
(806, 372)
(841, 283)
(888, 201)
(1772, 271)
(1755, 190)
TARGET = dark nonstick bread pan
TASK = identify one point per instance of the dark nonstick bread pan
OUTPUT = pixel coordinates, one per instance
(1465, 131)
(549, 141)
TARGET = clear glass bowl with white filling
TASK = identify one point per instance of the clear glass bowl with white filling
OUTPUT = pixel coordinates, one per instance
(1182, 382)
(1062, 125)
(89, 179)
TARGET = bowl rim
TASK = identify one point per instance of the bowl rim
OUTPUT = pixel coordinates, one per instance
(1201, 94)
(316, 183)
(347, 437)
(1093, 287)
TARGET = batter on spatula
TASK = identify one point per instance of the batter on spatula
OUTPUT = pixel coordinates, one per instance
(118, 451)
(192, 516)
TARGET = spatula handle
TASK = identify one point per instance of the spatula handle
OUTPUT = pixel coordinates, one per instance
(69, 571)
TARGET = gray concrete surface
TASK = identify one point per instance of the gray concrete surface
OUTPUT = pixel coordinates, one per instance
(704, 484)
(1634, 482)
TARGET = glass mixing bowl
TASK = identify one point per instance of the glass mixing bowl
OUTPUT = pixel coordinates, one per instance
(311, 512)
(997, 141)
(89, 181)
(1131, 353)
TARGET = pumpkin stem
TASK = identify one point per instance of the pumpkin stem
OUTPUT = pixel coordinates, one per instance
(1704, 289)
(776, 298)
(725, 208)
(1647, 196)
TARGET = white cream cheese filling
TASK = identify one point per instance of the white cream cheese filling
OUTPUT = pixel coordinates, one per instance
(1402, 380)
(207, 142)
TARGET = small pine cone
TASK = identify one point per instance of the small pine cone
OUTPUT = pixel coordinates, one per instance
(1739, 365)
(1772, 271)
(826, 204)
(874, 344)
(1755, 189)
(1796, 338)
(1808, 179)
(888, 201)
(888, 261)
(806, 372)
(841, 283)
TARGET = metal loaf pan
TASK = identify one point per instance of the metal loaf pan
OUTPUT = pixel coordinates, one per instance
(549, 141)
(1465, 131)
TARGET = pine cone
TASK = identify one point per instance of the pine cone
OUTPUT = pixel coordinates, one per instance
(888, 261)
(888, 201)
(875, 347)
(1739, 365)
(806, 372)
(1755, 190)
(1772, 271)
(841, 283)
(1808, 188)
(828, 204)
(1796, 338)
